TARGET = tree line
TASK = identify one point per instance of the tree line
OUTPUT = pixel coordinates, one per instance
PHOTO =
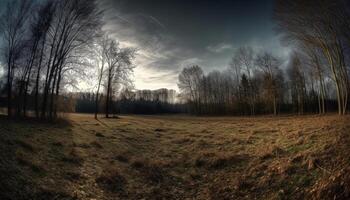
(315, 78)
(129, 101)
(48, 45)
(321, 30)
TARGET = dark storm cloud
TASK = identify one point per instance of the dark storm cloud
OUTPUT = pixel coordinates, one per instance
(171, 34)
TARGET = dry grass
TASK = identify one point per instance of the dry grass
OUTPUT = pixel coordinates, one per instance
(112, 180)
(215, 160)
(179, 157)
(24, 160)
(153, 171)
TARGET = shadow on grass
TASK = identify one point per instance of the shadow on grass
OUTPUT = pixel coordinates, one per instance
(21, 167)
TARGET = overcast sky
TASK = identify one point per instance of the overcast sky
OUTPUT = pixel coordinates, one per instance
(172, 34)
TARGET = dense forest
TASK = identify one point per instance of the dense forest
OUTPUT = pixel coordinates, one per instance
(49, 46)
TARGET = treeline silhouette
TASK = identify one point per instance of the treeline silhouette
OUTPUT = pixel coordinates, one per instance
(43, 42)
(314, 79)
(219, 93)
(319, 30)
(160, 101)
(50, 46)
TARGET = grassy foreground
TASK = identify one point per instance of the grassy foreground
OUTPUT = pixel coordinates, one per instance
(176, 157)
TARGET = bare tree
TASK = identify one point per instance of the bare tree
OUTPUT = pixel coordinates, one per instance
(235, 66)
(43, 23)
(316, 24)
(297, 83)
(244, 61)
(74, 24)
(189, 84)
(13, 27)
(119, 63)
(318, 73)
(39, 25)
(268, 64)
(100, 53)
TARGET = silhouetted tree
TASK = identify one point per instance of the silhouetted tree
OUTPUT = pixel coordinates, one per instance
(319, 25)
(244, 59)
(100, 53)
(14, 27)
(269, 65)
(75, 23)
(119, 66)
(189, 85)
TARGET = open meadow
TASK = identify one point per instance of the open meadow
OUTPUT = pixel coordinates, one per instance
(183, 99)
(176, 157)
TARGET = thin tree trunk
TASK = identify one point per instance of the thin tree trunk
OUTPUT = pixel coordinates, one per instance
(107, 97)
(275, 107)
(36, 100)
(9, 92)
(52, 94)
(98, 90)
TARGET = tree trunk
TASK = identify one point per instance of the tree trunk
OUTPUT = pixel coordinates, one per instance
(98, 90)
(9, 92)
(36, 100)
(274, 106)
(107, 97)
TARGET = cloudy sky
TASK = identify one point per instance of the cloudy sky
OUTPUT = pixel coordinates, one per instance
(172, 34)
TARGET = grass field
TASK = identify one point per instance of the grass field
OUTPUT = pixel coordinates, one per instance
(176, 157)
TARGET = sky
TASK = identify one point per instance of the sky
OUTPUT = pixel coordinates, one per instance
(173, 34)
